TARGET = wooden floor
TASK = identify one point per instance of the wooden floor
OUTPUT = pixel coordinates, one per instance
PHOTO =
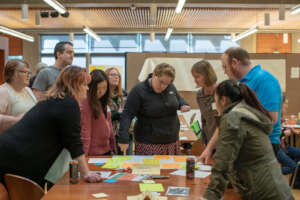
(296, 194)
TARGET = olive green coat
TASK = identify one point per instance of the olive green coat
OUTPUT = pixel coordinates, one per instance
(244, 156)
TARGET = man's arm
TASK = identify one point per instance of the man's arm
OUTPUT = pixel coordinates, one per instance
(274, 116)
(40, 96)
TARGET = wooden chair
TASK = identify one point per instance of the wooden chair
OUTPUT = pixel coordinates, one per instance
(294, 174)
(197, 148)
(3, 192)
(20, 188)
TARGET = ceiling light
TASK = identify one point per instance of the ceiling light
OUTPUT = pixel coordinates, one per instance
(91, 33)
(168, 34)
(152, 36)
(285, 38)
(298, 40)
(24, 9)
(267, 19)
(245, 34)
(295, 10)
(56, 5)
(16, 34)
(180, 5)
(37, 19)
(281, 12)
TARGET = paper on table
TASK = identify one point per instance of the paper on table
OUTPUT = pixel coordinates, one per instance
(198, 174)
(179, 158)
(151, 161)
(100, 195)
(129, 165)
(123, 158)
(170, 166)
(146, 169)
(204, 167)
(148, 181)
(116, 175)
(103, 174)
(113, 164)
(157, 187)
(98, 160)
(127, 177)
(164, 157)
(140, 177)
(183, 138)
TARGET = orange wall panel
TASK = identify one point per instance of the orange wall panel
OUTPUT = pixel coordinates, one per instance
(272, 42)
(15, 45)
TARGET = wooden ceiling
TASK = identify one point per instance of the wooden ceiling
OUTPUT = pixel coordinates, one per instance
(201, 18)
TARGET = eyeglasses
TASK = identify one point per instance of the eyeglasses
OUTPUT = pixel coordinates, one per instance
(114, 75)
(28, 73)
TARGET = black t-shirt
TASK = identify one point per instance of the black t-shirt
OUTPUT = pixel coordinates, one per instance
(30, 147)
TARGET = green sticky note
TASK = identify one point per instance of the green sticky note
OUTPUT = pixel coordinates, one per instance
(112, 164)
(122, 158)
(158, 187)
(150, 161)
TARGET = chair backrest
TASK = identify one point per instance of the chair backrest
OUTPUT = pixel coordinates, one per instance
(3, 192)
(20, 188)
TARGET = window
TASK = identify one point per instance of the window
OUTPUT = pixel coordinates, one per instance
(79, 61)
(176, 43)
(115, 44)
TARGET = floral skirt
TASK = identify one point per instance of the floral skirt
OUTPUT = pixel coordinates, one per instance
(157, 149)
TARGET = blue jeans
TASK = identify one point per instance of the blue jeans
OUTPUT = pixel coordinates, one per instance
(288, 161)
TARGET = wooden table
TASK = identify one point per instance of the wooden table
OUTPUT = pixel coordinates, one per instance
(63, 190)
(189, 134)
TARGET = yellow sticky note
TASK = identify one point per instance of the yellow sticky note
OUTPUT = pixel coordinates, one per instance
(157, 187)
(148, 181)
(163, 157)
(150, 161)
(170, 166)
(130, 165)
(100, 195)
(179, 158)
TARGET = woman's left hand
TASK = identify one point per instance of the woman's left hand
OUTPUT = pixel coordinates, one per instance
(92, 178)
(185, 108)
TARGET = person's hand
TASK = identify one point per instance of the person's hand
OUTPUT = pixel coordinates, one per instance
(123, 147)
(120, 110)
(287, 132)
(92, 178)
(20, 116)
(185, 108)
(204, 157)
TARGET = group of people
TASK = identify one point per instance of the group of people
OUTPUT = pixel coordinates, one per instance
(79, 114)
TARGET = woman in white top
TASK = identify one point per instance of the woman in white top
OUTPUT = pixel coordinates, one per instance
(16, 98)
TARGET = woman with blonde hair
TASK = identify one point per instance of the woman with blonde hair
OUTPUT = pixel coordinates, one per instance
(116, 104)
(51, 125)
(154, 102)
(16, 98)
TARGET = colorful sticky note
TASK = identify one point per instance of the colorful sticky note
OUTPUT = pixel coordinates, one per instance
(98, 163)
(123, 158)
(129, 165)
(148, 181)
(163, 157)
(100, 195)
(150, 161)
(110, 181)
(179, 158)
(157, 187)
(170, 166)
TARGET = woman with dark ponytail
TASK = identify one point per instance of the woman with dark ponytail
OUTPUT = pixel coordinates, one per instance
(244, 154)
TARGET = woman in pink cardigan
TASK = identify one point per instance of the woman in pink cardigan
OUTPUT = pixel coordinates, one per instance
(96, 127)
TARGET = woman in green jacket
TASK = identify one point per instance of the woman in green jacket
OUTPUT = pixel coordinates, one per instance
(244, 155)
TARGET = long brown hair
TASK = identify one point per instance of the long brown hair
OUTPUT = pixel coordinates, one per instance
(118, 90)
(68, 83)
(97, 77)
(237, 91)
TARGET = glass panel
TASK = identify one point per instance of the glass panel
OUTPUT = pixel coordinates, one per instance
(109, 61)
(212, 43)
(115, 44)
(49, 60)
(80, 43)
(176, 43)
(48, 42)
(80, 61)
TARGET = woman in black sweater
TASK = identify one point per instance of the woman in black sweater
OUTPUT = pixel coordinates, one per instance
(31, 146)
(154, 102)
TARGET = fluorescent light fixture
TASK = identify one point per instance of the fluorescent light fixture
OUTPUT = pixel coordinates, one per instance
(295, 9)
(56, 5)
(168, 34)
(14, 33)
(152, 36)
(37, 18)
(91, 33)
(281, 12)
(245, 34)
(24, 8)
(267, 19)
(285, 38)
(179, 6)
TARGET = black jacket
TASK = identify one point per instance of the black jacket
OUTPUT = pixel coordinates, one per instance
(157, 120)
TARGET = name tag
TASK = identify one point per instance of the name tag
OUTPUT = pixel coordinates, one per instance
(213, 106)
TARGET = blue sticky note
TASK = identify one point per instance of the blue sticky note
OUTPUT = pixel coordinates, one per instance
(98, 163)
(110, 181)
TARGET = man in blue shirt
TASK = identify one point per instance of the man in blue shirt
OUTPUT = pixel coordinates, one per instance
(236, 64)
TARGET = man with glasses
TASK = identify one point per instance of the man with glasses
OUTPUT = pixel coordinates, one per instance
(64, 55)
